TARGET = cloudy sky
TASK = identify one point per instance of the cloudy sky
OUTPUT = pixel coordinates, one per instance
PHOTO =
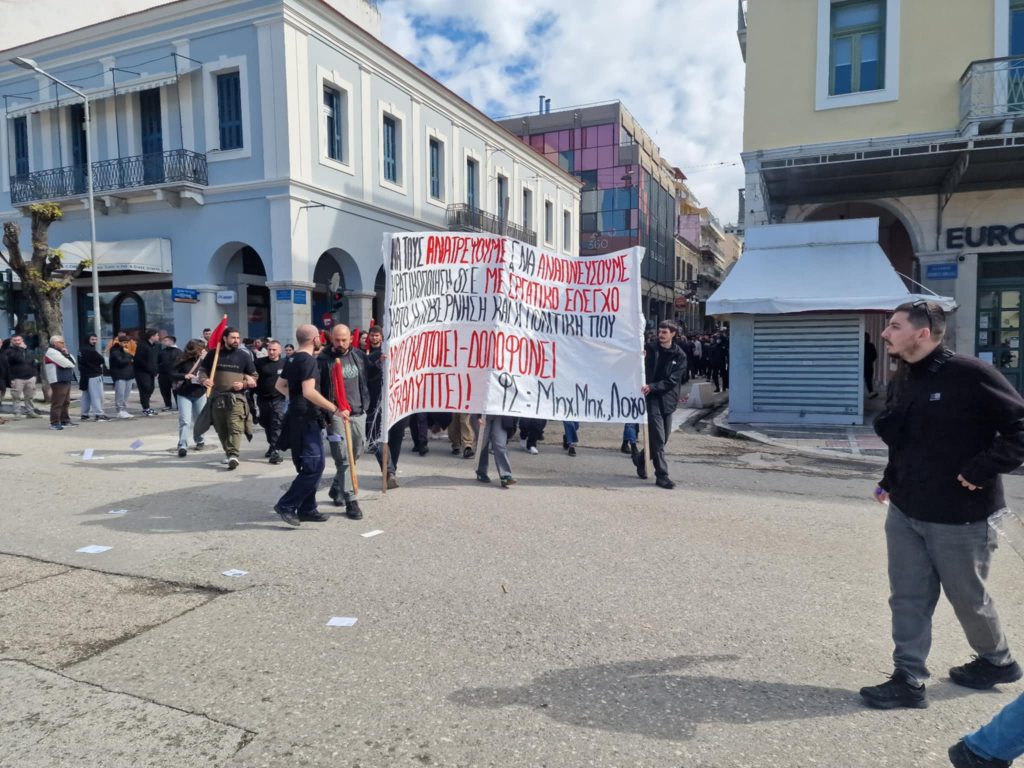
(675, 64)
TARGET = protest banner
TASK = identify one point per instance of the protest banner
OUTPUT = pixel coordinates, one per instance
(486, 324)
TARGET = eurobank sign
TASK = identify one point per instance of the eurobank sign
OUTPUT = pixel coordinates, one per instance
(991, 236)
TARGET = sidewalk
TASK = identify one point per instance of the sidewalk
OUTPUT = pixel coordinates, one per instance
(848, 442)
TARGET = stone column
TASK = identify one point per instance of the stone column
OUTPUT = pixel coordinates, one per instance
(207, 313)
(359, 308)
(290, 307)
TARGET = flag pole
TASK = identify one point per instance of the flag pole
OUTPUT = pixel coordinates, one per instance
(348, 428)
(216, 358)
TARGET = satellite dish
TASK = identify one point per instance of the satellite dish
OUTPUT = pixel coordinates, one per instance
(335, 282)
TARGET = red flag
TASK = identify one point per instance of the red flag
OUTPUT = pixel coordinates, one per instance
(217, 333)
(338, 382)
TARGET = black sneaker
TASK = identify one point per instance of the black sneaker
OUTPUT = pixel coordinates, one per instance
(267, 454)
(199, 446)
(982, 674)
(312, 517)
(664, 482)
(392, 481)
(482, 477)
(335, 499)
(962, 756)
(102, 417)
(232, 462)
(456, 451)
(275, 458)
(467, 452)
(625, 447)
(288, 516)
(422, 449)
(572, 450)
(507, 480)
(352, 510)
(894, 693)
(182, 453)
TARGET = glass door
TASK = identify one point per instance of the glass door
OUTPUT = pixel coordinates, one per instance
(999, 331)
(152, 137)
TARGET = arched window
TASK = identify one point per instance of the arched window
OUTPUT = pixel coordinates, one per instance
(129, 312)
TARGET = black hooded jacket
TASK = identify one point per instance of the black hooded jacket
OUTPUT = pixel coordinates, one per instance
(950, 415)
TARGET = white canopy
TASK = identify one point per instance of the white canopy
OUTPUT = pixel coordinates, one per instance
(152, 255)
(813, 267)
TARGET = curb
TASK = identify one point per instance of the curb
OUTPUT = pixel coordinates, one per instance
(721, 423)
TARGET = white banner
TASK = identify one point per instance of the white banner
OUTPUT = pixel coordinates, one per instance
(487, 324)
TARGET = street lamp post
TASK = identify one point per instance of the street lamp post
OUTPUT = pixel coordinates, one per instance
(32, 65)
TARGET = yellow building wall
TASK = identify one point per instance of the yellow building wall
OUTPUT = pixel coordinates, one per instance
(938, 39)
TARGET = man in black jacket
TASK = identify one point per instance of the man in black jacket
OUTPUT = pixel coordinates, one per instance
(146, 367)
(665, 368)
(353, 368)
(91, 366)
(953, 424)
(166, 357)
(271, 403)
(23, 376)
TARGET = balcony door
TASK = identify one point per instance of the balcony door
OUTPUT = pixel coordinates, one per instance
(79, 150)
(1015, 84)
(151, 126)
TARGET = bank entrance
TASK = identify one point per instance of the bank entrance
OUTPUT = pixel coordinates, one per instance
(1000, 290)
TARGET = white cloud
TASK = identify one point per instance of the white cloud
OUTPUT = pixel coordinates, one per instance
(676, 66)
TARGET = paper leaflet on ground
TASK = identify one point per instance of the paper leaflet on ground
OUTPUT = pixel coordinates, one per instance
(136, 445)
(342, 621)
(487, 324)
(371, 534)
(235, 573)
(93, 549)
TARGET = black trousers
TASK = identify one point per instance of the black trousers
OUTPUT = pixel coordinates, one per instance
(720, 377)
(419, 430)
(164, 380)
(659, 427)
(144, 382)
(530, 430)
(272, 410)
(396, 435)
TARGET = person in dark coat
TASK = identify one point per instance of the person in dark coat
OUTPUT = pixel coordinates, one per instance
(5, 379)
(665, 369)
(166, 357)
(146, 368)
(870, 356)
(718, 362)
(91, 367)
(122, 372)
(952, 424)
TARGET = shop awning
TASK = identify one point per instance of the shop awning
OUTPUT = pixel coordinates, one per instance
(152, 255)
(95, 94)
(813, 267)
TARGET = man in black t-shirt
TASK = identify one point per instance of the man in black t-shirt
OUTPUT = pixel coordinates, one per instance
(229, 410)
(270, 402)
(308, 412)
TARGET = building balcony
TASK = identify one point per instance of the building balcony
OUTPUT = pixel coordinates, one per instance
(175, 170)
(992, 96)
(466, 218)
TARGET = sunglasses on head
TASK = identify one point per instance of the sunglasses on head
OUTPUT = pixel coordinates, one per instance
(923, 304)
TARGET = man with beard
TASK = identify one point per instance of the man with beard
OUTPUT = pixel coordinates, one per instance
(953, 424)
(229, 411)
(353, 368)
(269, 400)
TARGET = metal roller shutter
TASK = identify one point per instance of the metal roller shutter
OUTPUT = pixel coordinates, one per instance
(809, 365)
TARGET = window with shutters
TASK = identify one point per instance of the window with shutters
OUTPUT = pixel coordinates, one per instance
(334, 123)
(436, 152)
(19, 131)
(229, 110)
(390, 137)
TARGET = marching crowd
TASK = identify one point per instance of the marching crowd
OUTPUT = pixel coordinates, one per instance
(952, 424)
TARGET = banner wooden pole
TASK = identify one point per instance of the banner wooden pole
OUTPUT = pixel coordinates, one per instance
(216, 359)
(646, 445)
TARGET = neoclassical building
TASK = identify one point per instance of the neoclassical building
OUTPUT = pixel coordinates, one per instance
(248, 158)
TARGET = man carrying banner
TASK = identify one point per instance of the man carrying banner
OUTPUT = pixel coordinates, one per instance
(353, 367)
(308, 413)
(228, 373)
(665, 367)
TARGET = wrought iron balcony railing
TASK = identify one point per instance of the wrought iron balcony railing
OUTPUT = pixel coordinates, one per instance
(175, 166)
(466, 218)
(992, 90)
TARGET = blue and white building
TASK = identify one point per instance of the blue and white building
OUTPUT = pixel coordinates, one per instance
(248, 157)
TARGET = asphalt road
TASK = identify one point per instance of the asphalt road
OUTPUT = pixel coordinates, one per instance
(580, 618)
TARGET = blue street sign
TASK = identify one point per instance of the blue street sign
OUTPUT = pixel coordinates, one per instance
(185, 295)
(942, 271)
(299, 298)
(284, 294)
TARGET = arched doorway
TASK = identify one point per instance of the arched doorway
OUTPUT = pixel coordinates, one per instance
(328, 281)
(246, 275)
(379, 307)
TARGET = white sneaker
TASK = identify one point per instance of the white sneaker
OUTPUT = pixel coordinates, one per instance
(124, 415)
(532, 450)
